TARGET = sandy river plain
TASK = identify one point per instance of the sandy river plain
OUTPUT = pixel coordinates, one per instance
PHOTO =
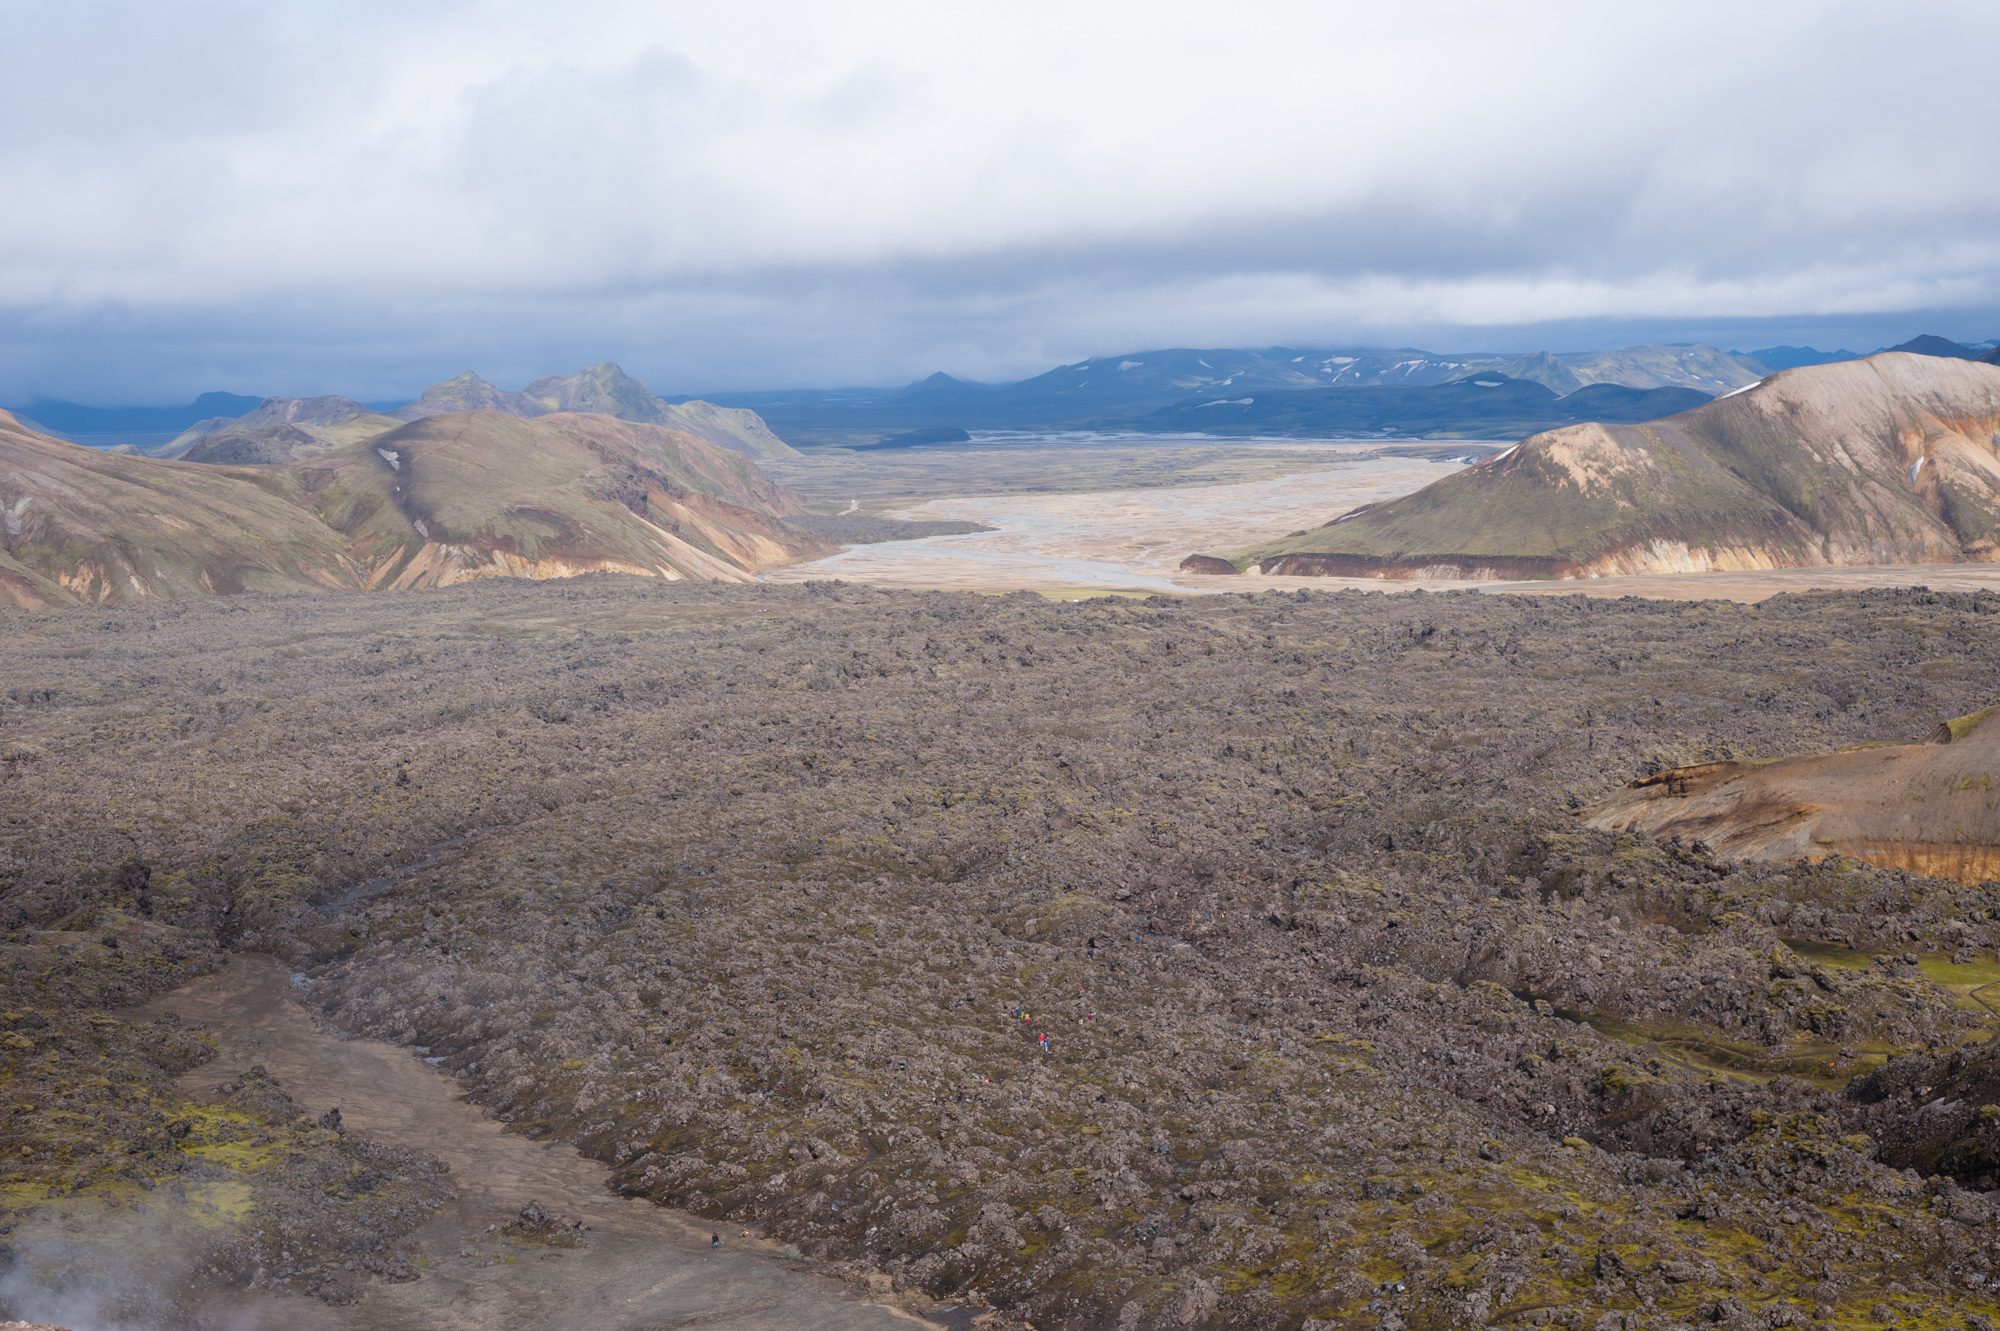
(1130, 535)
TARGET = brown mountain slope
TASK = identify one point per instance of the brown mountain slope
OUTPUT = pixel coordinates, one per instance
(451, 498)
(1895, 459)
(438, 501)
(79, 525)
(1933, 807)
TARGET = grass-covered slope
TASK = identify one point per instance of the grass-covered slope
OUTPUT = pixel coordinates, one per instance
(1895, 459)
(436, 501)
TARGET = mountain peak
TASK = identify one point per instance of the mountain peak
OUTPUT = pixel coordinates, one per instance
(603, 388)
(1930, 344)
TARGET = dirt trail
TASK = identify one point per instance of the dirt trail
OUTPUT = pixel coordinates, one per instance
(644, 1268)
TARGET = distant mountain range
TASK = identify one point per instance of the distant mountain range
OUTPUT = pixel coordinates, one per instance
(1929, 345)
(1155, 390)
(1894, 459)
(434, 501)
(73, 420)
(290, 429)
(232, 429)
(609, 391)
(1167, 390)
(1483, 404)
(1160, 390)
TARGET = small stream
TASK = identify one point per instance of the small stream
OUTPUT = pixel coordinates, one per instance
(645, 1268)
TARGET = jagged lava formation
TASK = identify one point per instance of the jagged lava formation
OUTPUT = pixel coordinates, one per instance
(1890, 460)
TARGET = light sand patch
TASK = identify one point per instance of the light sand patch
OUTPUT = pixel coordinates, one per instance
(1128, 539)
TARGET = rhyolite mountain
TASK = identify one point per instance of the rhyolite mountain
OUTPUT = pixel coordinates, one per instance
(604, 389)
(436, 501)
(1926, 807)
(1890, 460)
(1487, 405)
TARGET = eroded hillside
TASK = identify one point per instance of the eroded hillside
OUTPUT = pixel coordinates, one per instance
(441, 500)
(1929, 807)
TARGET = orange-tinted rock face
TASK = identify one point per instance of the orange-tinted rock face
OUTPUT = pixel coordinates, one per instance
(1965, 863)
(1931, 808)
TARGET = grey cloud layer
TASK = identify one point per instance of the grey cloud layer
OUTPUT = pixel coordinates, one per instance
(369, 194)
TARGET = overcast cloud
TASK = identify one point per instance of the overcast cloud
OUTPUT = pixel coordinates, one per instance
(279, 196)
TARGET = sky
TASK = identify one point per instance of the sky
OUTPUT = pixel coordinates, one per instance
(282, 196)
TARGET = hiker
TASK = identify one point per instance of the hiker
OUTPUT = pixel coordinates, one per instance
(1090, 948)
(714, 1242)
